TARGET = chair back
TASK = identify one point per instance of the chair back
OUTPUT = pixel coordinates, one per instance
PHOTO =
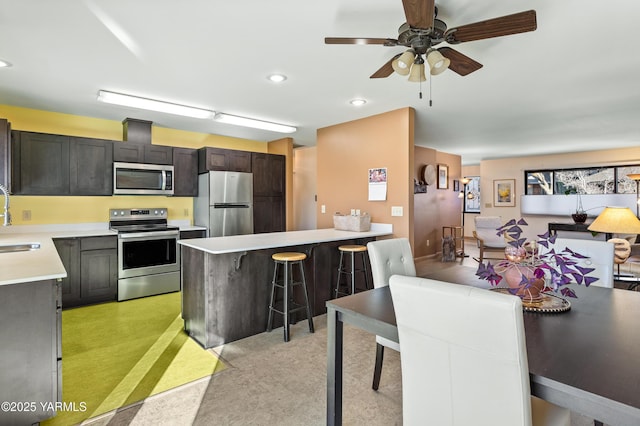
(487, 228)
(599, 254)
(463, 357)
(390, 257)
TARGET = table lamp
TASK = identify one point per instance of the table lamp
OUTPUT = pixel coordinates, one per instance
(616, 220)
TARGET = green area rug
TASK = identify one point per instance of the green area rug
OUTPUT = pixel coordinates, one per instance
(118, 353)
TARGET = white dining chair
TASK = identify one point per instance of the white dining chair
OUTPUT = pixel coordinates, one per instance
(388, 257)
(600, 255)
(464, 357)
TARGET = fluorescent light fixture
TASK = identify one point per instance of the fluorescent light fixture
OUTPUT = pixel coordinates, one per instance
(4, 64)
(153, 105)
(256, 124)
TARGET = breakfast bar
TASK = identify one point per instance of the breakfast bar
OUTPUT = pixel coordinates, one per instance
(226, 281)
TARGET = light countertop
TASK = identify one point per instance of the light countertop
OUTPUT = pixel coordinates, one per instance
(44, 263)
(238, 243)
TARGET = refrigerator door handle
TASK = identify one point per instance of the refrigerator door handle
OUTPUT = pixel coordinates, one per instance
(230, 206)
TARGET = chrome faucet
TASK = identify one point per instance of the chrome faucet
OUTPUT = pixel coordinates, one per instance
(6, 214)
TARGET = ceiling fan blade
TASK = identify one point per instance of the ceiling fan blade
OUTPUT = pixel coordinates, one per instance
(360, 40)
(497, 27)
(386, 70)
(419, 13)
(460, 63)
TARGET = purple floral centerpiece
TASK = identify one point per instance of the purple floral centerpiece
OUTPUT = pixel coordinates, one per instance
(529, 270)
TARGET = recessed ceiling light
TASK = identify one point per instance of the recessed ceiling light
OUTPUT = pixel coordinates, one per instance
(4, 64)
(357, 102)
(277, 78)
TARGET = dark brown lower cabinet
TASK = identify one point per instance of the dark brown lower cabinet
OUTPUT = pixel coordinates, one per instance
(92, 269)
(268, 214)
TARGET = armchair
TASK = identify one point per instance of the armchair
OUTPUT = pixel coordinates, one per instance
(486, 234)
(388, 257)
(464, 357)
(600, 256)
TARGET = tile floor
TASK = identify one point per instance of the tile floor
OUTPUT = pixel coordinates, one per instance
(275, 383)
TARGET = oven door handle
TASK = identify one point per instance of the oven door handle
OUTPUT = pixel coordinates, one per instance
(148, 235)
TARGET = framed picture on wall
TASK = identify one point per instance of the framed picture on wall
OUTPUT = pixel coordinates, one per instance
(443, 176)
(456, 185)
(504, 193)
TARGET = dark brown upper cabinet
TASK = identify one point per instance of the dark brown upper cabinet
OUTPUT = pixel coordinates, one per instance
(230, 160)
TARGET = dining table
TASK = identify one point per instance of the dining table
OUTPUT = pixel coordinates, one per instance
(585, 358)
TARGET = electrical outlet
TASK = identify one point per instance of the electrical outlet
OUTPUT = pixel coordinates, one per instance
(487, 205)
(428, 243)
(323, 209)
(396, 211)
(186, 212)
(26, 215)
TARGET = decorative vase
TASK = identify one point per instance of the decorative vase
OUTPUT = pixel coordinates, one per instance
(528, 293)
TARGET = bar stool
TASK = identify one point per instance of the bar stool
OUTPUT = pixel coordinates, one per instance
(350, 288)
(286, 283)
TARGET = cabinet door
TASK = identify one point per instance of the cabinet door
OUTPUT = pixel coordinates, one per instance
(195, 233)
(29, 333)
(91, 166)
(268, 175)
(239, 161)
(42, 162)
(69, 252)
(185, 172)
(269, 214)
(158, 154)
(128, 152)
(223, 159)
(99, 275)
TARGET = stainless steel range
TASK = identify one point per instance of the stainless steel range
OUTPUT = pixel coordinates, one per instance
(148, 255)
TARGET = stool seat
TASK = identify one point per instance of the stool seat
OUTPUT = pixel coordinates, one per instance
(352, 248)
(288, 256)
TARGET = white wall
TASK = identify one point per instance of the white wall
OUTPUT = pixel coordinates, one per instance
(304, 188)
(513, 168)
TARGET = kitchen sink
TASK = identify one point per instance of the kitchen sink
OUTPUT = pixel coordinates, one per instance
(10, 248)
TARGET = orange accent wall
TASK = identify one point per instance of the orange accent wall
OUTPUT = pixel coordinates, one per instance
(347, 151)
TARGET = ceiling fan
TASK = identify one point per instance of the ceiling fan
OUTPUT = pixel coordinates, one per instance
(423, 31)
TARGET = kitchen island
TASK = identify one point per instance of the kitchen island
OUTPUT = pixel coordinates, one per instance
(226, 281)
(30, 379)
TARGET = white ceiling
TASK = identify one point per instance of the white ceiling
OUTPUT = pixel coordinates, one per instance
(571, 85)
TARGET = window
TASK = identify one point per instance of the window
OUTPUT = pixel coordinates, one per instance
(590, 180)
(472, 195)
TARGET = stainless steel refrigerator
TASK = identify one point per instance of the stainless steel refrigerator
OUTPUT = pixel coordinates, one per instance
(224, 203)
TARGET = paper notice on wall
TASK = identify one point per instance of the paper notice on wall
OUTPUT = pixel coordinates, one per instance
(378, 184)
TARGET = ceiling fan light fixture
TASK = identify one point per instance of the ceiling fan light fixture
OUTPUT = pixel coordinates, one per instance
(4, 64)
(402, 65)
(417, 70)
(437, 63)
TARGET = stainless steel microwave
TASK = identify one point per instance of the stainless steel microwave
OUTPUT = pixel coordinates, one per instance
(142, 179)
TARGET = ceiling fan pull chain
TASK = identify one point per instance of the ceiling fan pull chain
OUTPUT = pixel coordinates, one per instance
(430, 101)
(420, 94)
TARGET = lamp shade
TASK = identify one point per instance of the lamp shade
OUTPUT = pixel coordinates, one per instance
(417, 73)
(437, 63)
(402, 64)
(616, 220)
